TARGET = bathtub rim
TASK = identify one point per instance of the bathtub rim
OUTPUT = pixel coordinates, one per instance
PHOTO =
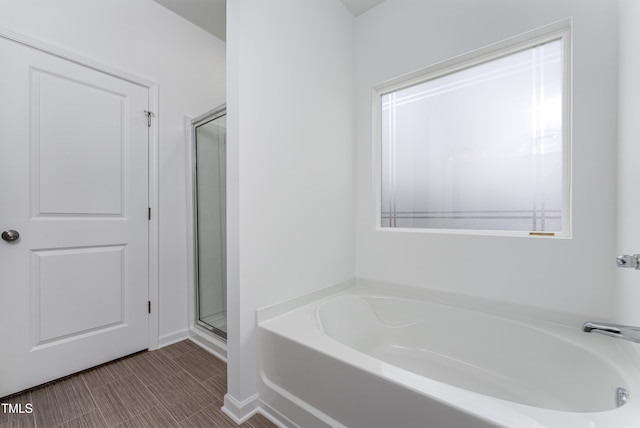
(330, 347)
(433, 295)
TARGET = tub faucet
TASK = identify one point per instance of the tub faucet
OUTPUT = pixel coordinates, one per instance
(625, 332)
(627, 261)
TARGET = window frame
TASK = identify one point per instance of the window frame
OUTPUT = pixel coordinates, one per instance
(560, 30)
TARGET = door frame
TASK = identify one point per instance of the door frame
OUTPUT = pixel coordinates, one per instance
(153, 224)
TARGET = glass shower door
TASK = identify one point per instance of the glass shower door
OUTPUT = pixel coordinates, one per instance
(210, 223)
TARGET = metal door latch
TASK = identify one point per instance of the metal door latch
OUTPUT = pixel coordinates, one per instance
(627, 261)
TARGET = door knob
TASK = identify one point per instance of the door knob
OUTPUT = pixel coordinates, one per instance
(10, 235)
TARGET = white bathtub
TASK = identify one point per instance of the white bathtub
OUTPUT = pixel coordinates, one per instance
(369, 359)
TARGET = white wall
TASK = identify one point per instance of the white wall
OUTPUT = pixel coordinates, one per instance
(575, 275)
(628, 291)
(142, 38)
(290, 162)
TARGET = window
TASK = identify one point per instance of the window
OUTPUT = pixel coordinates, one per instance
(480, 143)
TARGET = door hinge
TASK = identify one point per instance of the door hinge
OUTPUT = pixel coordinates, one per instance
(149, 114)
(149, 306)
(149, 213)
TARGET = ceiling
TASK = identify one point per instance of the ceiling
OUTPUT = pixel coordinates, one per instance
(210, 15)
(358, 7)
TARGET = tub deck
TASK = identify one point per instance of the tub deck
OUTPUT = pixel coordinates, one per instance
(363, 358)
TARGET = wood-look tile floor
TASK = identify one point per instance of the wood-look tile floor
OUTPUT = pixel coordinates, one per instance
(180, 386)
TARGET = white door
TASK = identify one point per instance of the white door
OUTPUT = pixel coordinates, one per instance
(73, 184)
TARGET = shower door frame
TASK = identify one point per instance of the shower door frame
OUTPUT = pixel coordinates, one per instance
(207, 117)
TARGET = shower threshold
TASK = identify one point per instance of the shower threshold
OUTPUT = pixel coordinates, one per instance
(216, 323)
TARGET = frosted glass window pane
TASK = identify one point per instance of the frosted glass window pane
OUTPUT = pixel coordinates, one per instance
(480, 148)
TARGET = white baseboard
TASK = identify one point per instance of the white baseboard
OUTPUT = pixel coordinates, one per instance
(173, 337)
(275, 416)
(240, 412)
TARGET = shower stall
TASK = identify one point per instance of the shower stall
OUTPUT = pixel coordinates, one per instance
(209, 208)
